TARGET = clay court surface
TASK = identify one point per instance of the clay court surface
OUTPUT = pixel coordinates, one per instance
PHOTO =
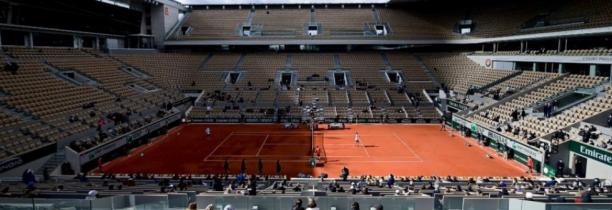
(405, 150)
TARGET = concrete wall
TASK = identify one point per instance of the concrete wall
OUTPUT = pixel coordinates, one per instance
(112, 43)
(598, 169)
(483, 60)
(594, 168)
(163, 18)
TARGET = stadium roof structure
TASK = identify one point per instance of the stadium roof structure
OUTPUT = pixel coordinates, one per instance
(270, 2)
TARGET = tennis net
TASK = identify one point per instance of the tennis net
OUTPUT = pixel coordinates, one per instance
(318, 147)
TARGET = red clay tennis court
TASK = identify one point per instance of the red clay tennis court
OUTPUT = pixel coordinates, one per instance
(404, 150)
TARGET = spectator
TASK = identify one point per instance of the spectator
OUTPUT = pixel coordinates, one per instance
(217, 186)
(210, 207)
(391, 181)
(192, 206)
(297, 205)
(92, 195)
(226, 166)
(28, 177)
(344, 173)
(585, 197)
(243, 167)
(46, 174)
(252, 185)
(228, 207)
(378, 207)
(312, 204)
(355, 206)
(260, 166)
(529, 164)
(560, 168)
(610, 120)
(278, 167)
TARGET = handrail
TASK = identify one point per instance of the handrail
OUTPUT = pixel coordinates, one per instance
(177, 25)
(15, 27)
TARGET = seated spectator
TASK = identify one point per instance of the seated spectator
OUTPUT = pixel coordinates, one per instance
(297, 205)
(192, 206)
(312, 204)
(92, 195)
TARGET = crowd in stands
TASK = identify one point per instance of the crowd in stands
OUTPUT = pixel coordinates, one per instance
(560, 189)
(508, 118)
(592, 136)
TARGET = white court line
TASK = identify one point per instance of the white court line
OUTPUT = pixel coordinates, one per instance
(264, 134)
(262, 145)
(336, 135)
(219, 145)
(364, 148)
(340, 162)
(361, 156)
(259, 156)
(406, 145)
(335, 156)
(484, 149)
(250, 134)
(376, 161)
(274, 132)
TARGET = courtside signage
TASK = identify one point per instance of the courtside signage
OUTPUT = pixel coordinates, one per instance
(10, 164)
(457, 105)
(501, 139)
(461, 121)
(112, 145)
(591, 152)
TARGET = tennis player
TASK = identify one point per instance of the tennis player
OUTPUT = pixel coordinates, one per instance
(207, 131)
(357, 139)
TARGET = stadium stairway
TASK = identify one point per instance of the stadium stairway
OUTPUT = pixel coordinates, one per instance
(16, 113)
(205, 61)
(520, 93)
(385, 59)
(484, 88)
(428, 71)
(52, 164)
(239, 62)
(177, 26)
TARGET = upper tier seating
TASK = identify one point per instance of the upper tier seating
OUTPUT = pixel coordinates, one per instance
(282, 23)
(460, 73)
(566, 117)
(500, 114)
(419, 21)
(517, 83)
(216, 24)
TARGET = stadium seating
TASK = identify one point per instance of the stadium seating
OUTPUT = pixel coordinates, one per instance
(499, 114)
(287, 23)
(460, 74)
(417, 22)
(519, 82)
(567, 117)
(215, 24)
(35, 91)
